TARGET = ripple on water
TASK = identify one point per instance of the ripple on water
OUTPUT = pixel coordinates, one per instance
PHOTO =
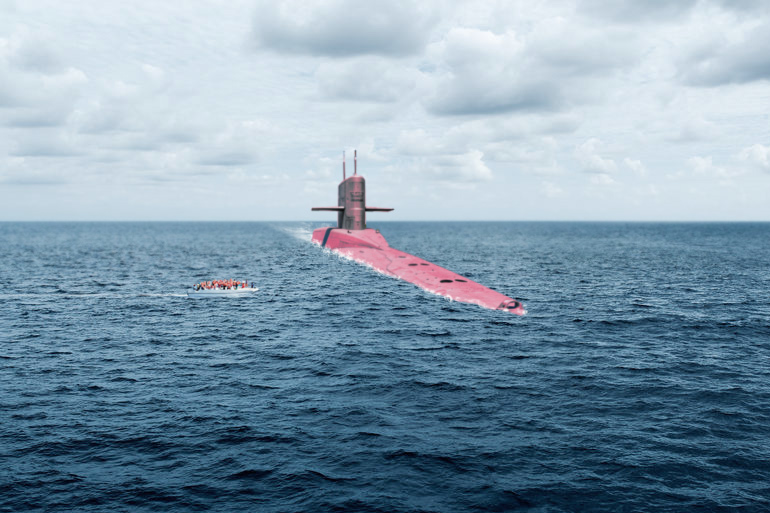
(637, 382)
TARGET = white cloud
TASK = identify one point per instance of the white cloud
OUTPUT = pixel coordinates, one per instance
(588, 157)
(702, 165)
(434, 159)
(373, 153)
(757, 155)
(636, 166)
(465, 168)
(705, 167)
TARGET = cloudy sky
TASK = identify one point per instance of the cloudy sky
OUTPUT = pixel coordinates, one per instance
(240, 109)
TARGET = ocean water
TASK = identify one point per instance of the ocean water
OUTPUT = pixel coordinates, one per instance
(638, 381)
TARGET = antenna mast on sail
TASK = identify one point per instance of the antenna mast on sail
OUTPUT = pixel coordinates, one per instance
(343, 164)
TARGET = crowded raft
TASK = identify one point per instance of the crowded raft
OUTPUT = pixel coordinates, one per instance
(223, 285)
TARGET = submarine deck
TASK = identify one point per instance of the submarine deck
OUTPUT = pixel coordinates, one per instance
(369, 247)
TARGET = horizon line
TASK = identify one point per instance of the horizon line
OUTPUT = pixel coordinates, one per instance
(388, 221)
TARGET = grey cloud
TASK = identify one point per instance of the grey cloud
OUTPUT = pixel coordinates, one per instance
(500, 95)
(36, 86)
(164, 177)
(179, 135)
(564, 124)
(98, 119)
(636, 11)
(485, 73)
(38, 56)
(134, 142)
(43, 146)
(745, 6)
(718, 64)
(41, 116)
(342, 27)
(27, 177)
(8, 97)
(33, 100)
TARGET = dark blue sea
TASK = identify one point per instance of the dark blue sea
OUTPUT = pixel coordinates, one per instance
(638, 381)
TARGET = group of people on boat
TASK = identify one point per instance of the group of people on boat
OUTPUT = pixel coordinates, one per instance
(222, 285)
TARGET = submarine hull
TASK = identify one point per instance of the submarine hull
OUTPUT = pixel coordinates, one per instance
(368, 247)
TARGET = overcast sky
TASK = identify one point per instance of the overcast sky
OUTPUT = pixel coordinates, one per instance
(240, 109)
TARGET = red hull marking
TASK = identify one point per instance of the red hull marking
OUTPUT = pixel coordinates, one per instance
(370, 248)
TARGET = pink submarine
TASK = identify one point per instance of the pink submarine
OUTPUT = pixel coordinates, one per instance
(352, 239)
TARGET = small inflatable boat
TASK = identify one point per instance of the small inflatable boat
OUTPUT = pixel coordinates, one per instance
(222, 288)
(216, 292)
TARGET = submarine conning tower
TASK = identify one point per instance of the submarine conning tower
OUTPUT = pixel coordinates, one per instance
(351, 200)
(352, 196)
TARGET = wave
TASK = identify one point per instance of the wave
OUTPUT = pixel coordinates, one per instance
(302, 232)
